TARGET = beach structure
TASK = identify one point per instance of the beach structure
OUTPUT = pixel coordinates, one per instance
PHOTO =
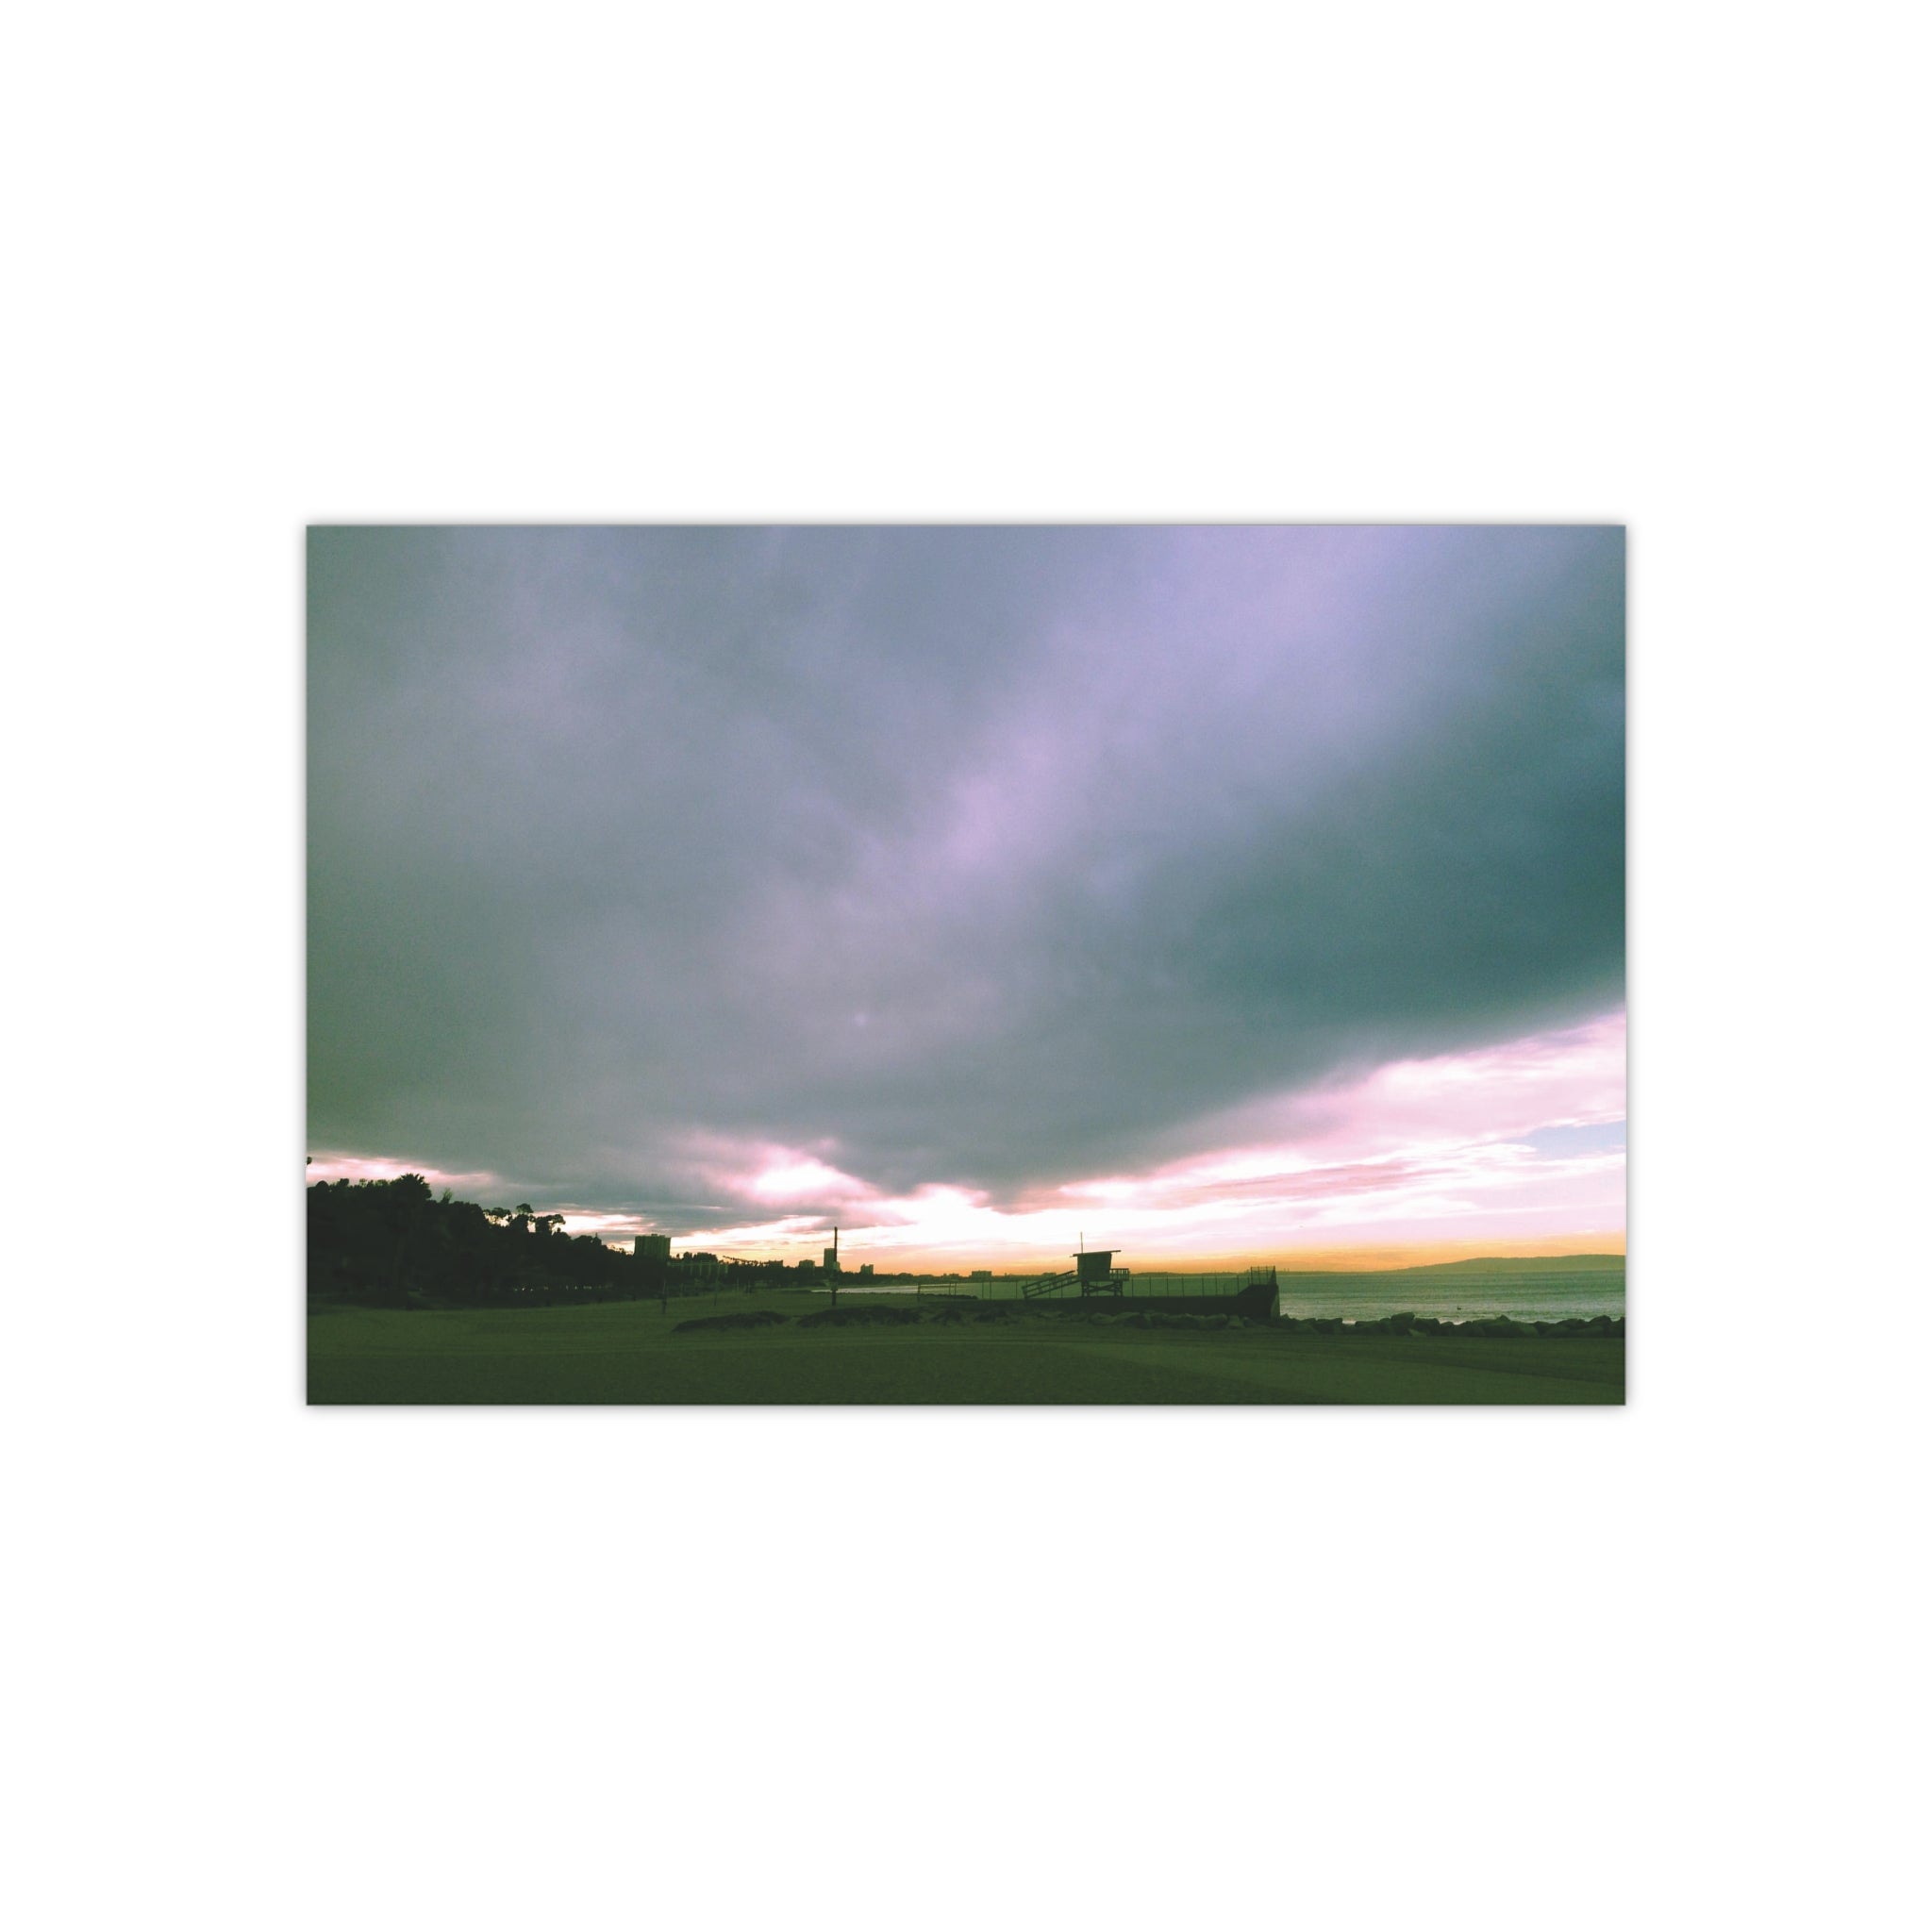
(1095, 1272)
(1254, 1292)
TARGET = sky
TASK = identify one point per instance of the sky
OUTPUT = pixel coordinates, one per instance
(1219, 895)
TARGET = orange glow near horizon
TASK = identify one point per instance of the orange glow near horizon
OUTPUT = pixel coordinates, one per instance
(1426, 1254)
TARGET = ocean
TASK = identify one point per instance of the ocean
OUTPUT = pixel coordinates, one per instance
(1457, 1294)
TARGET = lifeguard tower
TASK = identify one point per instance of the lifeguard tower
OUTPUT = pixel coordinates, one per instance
(1095, 1269)
(1093, 1272)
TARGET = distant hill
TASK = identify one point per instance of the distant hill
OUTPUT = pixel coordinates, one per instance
(1517, 1264)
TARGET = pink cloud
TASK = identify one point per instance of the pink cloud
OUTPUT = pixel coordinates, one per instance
(763, 1170)
(1416, 1150)
(1570, 1077)
(1439, 1143)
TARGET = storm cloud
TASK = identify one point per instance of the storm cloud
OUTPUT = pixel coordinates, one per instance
(981, 858)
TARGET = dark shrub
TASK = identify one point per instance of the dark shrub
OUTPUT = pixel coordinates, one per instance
(864, 1315)
(749, 1318)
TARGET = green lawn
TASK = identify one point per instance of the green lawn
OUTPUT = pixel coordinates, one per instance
(625, 1352)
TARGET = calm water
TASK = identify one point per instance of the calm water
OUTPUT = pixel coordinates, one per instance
(1452, 1296)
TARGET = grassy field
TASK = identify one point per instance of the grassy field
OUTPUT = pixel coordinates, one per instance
(626, 1352)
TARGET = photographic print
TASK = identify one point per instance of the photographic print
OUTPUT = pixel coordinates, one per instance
(1145, 964)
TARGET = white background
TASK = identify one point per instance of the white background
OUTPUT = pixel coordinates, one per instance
(274, 1667)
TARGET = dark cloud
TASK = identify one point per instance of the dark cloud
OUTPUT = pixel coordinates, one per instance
(978, 857)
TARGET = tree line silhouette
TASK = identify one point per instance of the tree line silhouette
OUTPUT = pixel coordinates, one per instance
(392, 1244)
